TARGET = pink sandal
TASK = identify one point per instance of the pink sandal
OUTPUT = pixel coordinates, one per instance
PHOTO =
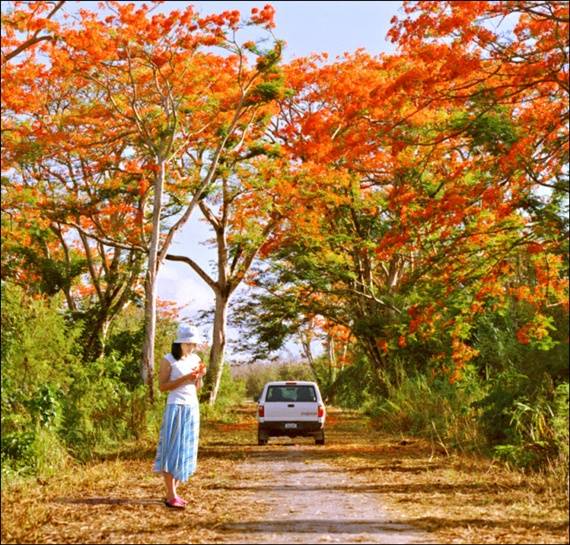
(182, 500)
(176, 502)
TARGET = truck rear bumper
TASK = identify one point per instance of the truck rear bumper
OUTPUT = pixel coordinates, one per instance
(286, 428)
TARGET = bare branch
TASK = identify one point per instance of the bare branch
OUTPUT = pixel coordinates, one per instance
(201, 273)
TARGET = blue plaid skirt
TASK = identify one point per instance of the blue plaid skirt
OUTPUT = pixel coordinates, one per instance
(177, 451)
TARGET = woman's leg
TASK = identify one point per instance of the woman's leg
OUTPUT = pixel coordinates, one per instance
(176, 483)
(170, 483)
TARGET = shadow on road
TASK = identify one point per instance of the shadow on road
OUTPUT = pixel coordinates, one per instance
(374, 526)
(314, 526)
(356, 489)
(109, 501)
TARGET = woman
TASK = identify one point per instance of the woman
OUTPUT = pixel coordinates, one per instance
(181, 374)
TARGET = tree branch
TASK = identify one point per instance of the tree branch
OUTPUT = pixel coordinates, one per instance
(201, 273)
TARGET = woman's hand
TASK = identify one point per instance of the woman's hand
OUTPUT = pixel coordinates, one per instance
(189, 378)
(201, 369)
(197, 374)
(200, 372)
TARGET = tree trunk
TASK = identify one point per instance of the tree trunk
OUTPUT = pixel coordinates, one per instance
(378, 364)
(147, 370)
(96, 341)
(149, 331)
(307, 352)
(331, 375)
(218, 345)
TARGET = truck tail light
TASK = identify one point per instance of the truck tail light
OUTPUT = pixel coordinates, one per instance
(320, 411)
(261, 410)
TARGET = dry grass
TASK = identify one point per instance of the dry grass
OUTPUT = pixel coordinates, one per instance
(116, 502)
(458, 498)
(119, 500)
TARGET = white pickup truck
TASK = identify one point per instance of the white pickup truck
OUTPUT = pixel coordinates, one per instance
(291, 408)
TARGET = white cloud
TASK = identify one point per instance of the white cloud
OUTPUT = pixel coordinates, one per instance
(177, 282)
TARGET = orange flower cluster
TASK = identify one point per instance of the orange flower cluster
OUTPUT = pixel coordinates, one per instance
(264, 17)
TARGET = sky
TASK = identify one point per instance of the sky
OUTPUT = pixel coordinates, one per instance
(306, 27)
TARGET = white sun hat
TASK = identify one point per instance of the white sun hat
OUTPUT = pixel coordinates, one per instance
(189, 334)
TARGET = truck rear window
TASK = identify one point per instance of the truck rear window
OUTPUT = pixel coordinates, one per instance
(290, 394)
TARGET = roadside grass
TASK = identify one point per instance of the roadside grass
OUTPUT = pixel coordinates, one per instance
(459, 498)
(117, 499)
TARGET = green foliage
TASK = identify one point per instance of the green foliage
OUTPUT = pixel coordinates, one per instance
(521, 413)
(268, 91)
(126, 339)
(268, 60)
(432, 408)
(534, 416)
(256, 376)
(52, 273)
(489, 128)
(100, 409)
(37, 341)
(45, 406)
(561, 424)
(355, 385)
(38, 348)
(230, 395)
(269, 320)
(39, 452)
(57, 407)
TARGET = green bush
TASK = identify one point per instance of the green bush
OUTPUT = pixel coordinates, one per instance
(537, 431)
(98, 408)
(54, 404)
(232, 392)
(355, 386)
(433, 408)
(39, 347)
(560, 421)
(498, 404)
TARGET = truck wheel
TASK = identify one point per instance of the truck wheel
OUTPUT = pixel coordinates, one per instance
(320, 439)
(262, 439)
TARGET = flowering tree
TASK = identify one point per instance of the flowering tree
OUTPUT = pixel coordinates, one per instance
(156, 108)
(417, 210)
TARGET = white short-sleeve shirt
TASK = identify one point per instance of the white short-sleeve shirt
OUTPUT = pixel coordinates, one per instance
(185, 394)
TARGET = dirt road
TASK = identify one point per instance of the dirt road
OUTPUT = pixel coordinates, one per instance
(308, 501)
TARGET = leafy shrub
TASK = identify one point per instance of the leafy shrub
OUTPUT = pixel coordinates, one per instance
(355, 386)
(560, 421)
(55, 404)
(231, 393)
(39, 346)
(433, 408)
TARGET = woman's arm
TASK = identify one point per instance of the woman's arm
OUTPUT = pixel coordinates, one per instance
(165, 384)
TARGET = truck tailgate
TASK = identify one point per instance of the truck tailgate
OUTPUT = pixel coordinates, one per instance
(295, 412)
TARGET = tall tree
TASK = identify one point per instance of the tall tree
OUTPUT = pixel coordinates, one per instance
(414, 213)
(243, 214)
(155, 86)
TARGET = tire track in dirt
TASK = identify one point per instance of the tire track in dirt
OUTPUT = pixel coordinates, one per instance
(305, 500)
